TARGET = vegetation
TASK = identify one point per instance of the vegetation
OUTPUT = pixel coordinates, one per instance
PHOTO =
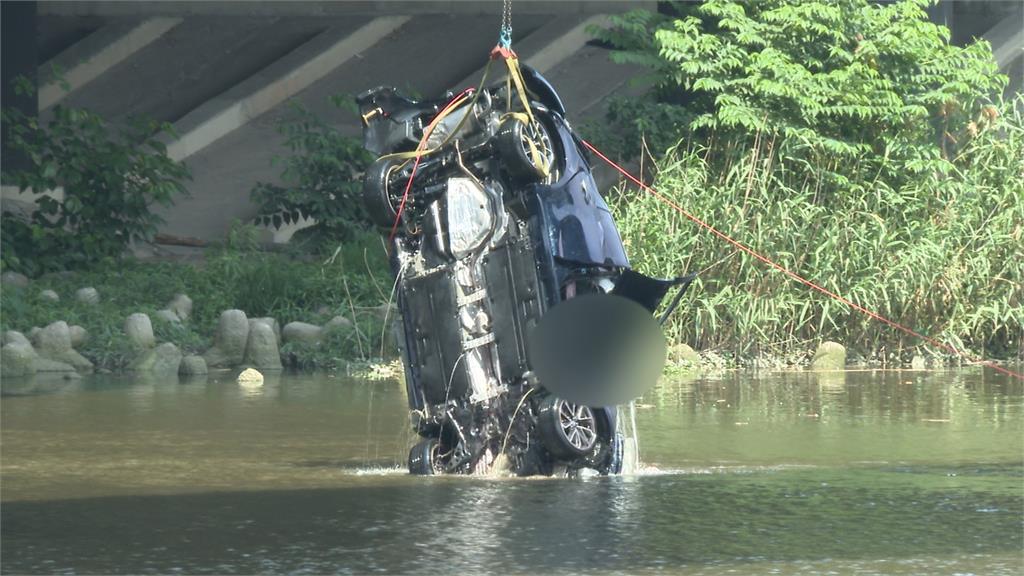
(289, 287)
(321, 180)
(110, 177)
(849, 141)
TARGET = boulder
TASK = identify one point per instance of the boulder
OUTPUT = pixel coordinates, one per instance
(918, 362)
(139, 330)
(302, 332)
(47, 365)
(54, 343)
(17, 359)
(229, 341)
(10, 278)
(33, 334)
(261, 350)
(165, 359)
(181, 305)
(49, 295)
(829, 356)
(683, 353)
(13, 336)
(79, 335)
(272, 322)
(87, 295)
(192, 366)
(168, 316)
(337, 323)
(250, 377)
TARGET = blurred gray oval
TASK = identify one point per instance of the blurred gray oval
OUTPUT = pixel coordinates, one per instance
(597, 349)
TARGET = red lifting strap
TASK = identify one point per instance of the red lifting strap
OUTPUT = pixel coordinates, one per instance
(499, 52)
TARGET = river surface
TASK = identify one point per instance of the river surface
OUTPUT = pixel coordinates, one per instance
(898, 472)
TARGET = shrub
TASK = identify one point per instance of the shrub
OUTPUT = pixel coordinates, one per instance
(110, 177)
(944, 256)
(321, 179)
(855, 88)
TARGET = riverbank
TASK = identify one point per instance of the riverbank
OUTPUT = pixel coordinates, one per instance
(233, 309)
(229, 308)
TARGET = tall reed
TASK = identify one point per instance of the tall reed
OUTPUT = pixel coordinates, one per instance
(942, 254)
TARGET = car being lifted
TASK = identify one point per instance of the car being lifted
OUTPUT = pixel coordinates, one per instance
(493, 218)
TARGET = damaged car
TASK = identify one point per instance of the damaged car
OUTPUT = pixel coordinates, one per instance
(492, 218)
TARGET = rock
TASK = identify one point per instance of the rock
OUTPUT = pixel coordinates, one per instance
(17, 359)
(181, 305)
(684, 353)
(47, 365)
(261, 350)
(229, 341)
(10, 278)
(87, 295)
(272, 322)
(337, 323)
(13, 336)
(33, 334)
(139, 330)
(168, 316)
(192, 366)
(302, 332)
(917, 363)
(829, 356)
(250, 377)
(49, 295)
(55, 339)
(54, 343)
(164, 359)
(79, 335)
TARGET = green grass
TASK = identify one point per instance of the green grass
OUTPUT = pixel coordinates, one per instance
(943, 255)
(286, 286)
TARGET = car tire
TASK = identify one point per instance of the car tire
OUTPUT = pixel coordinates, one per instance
(424, 458)
(512, 144)
(567, 430)
(376, 198)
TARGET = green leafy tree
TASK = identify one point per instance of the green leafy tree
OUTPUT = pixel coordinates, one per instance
(854, 83)
(110, 177)
(321, 179)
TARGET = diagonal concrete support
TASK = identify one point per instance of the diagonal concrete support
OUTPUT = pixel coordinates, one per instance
(275, 84)
(96, 53)
(546, 47)
(1007, 40)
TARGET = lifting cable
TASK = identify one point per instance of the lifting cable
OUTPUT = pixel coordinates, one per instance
(669, 202)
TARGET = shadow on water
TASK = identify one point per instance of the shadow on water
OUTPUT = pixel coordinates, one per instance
(514, 525)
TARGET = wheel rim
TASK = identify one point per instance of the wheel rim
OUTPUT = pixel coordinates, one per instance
(533, 132)
(578, 425)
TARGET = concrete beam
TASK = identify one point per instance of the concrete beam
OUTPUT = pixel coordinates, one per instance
(545, 48)
(332, 8)
(98, 52)
(275, 84)
(1007, 39)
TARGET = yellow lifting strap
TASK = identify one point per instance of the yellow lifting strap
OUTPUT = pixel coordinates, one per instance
(515, 77)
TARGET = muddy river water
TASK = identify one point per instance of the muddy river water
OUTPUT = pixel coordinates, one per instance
(875, 472)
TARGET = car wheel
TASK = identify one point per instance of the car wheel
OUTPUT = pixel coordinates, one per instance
(527, 150)
(568, 430)
(376, 198)
(424, 458)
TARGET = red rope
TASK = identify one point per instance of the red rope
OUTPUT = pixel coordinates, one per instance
(792, 274)
(416, 164)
